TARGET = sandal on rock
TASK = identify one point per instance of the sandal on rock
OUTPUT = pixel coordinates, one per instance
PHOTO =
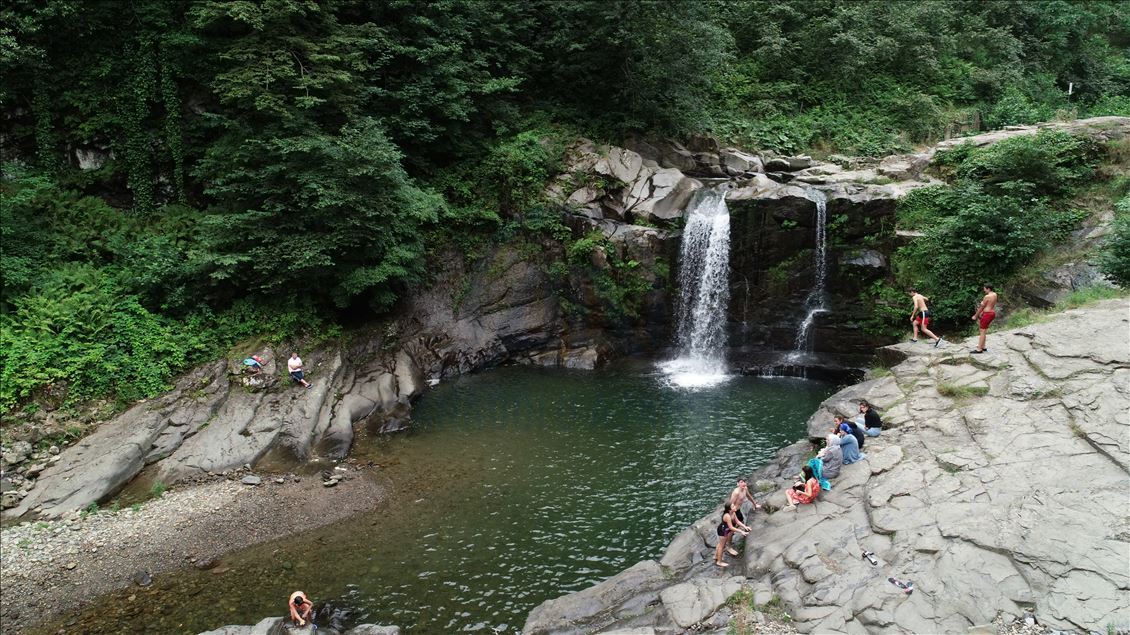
(721, 564)
(732, 552)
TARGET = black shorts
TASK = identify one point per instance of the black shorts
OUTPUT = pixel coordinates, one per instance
(741, 517)
(723, 530)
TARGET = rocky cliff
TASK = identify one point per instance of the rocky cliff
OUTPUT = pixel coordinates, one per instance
(998, 486)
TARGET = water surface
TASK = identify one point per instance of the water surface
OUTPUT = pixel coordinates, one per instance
(516, 485)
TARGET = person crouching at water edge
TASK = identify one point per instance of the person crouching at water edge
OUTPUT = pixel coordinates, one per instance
(300, 608)
(726, 530)
(805, 490)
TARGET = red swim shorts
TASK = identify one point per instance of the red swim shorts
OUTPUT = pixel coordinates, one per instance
(987, 318)
(923, 319)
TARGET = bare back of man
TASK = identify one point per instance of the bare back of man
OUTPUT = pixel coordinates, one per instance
(986, 313)
(920, 317)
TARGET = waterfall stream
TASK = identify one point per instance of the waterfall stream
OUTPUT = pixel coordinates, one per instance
(704, 283)
(814, 302)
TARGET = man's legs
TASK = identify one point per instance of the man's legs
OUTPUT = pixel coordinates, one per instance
(981, 340)
(914, 338)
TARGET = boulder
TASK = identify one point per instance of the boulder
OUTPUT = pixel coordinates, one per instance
(865, 258)
(17, 453)
(659, 195)
(738, 163)
(563, 613)
(621, 164)
(264, 627)
(647, 151)
(709, 164)
(703, 143)
(373, 629)
(674, 155)
(788, 164)
(691, 602)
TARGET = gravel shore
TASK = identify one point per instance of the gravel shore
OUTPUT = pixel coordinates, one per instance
(49, 568)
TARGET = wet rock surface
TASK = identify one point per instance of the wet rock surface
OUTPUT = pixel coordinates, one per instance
(1005, 506)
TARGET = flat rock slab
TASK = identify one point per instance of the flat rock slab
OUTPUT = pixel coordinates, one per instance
(691, 602)
(565, 613)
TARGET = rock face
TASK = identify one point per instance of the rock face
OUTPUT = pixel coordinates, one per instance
(998, 486)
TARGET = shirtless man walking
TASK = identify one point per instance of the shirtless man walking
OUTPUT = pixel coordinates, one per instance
(986, 312)
(738, 497)
(920, 316)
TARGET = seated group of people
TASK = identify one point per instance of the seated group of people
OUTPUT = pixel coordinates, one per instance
(844, 447)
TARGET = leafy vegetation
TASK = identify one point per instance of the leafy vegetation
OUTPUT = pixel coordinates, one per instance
(1005, 205)
(1115, 259)
(180, 175)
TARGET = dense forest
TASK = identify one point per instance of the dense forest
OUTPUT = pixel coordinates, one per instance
(181, 175)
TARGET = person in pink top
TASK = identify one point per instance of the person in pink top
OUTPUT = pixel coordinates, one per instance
(294, 365)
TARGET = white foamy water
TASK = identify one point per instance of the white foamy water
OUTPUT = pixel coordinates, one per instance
(704, 282)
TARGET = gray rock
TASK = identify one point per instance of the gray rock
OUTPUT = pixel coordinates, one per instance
(691, 602)
(788, 164)
(867, 258)
(17, 453)
(737, 162)
(623, 165)
(674, 155)
(142, 578)
(251, 480)
(583, 606)
(373, 629)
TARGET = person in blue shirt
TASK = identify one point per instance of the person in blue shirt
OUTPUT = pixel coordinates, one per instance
(848, 444)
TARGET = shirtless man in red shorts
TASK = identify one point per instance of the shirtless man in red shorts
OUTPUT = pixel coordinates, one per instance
(920, 316)
(986, 312)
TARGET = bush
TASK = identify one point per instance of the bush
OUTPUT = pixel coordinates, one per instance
(81, 329)
(1114, 260)
(78, 327)
(972, 237)
(1049, 163)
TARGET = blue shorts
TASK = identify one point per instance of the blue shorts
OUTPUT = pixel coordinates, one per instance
(297, 376)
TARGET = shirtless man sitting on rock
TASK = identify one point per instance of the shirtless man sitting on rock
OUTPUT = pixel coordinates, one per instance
(300, 608)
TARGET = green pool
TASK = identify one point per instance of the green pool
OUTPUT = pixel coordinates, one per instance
(516, 485)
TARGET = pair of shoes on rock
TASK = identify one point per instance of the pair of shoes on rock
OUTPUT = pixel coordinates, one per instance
(978, 351)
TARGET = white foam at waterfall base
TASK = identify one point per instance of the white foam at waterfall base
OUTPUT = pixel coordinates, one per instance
(704, 283)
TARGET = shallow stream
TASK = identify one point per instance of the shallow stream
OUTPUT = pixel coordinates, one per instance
(515, 486)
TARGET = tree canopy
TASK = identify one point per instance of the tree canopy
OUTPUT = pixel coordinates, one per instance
(190, 156)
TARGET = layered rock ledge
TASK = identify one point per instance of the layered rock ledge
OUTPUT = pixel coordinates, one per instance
(999, 487)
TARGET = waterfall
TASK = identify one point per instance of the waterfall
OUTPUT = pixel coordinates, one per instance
(814, 302)
(704, 283)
